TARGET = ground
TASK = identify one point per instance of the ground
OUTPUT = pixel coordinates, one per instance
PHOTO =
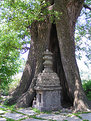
(8, 113)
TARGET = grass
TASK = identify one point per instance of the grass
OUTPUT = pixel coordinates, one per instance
(9, 119)
(22, 119)
(52, 120)
(36, 110)
(34, 116)
(3, 109)
(85, 120)
(84, 112)
(47, 112)
(13, 84)
(77, 115)
(12, 108)
(57, 113)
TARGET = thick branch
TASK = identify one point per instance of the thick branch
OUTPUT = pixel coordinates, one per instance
(27, 48)
(23, 48)
(87, 7)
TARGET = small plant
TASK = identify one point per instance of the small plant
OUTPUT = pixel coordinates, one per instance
(57, 113)
(52, 120)
(77, 115)
(85, 120)
(87, 88)
(36, 110)
(8, 119)
(34, 116)
(9, 107)
(47, 112)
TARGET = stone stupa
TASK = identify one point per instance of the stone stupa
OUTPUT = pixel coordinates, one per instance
(48, 87)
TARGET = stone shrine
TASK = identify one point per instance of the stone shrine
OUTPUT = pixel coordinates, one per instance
(48, 87)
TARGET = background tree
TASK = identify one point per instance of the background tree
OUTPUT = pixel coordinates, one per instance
(83, 33)
(51, 25)
(9, 57)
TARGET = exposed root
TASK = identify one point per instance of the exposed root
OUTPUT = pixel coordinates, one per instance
(26, 99)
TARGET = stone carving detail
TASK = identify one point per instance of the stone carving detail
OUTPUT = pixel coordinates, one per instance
(48, 87)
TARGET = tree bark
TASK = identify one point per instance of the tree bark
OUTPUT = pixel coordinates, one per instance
(40, 37)
(58, 37)
(27, 76)
(65, 31)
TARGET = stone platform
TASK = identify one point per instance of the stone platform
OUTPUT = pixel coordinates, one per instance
(29, 114)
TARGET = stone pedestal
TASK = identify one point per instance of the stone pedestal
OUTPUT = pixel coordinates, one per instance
(48, 87)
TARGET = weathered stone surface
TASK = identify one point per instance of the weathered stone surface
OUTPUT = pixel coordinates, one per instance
(73, 118)
(48, 87)
(49, 101)
(52, 117)
(27, 111)
(32, 119)
(47, 81)
(2, 107)
(86, 116)
(2, 119)
(15, 116)
(65, 110)
(1, 111)
(58, 117)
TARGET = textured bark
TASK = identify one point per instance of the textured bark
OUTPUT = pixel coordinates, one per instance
(59, 38)
(27, 76)
(58, 67)
(40, 37)
(65, 31)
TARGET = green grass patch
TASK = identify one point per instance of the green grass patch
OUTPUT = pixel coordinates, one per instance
(57, 113)
(35, 117)
(52, 120)
(82, 112)
(36, 110)
(77, 115)
(9, 119)
(3, 109)
(85, 120)
(12, 108)
(47, 112)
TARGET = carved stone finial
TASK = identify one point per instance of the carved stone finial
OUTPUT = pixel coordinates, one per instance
(48, 61)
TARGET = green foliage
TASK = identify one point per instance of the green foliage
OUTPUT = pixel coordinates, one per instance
(13, 85)
(21, 13)
(36, 110)
(9, 56)
(85, 120)
(77, 115)
(8, 67)
(16, 17)
(83, 34)
(87, 88)
(8, 119)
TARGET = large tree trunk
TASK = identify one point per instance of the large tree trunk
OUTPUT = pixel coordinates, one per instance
(59, 38)
(65, 32)
(39, 35)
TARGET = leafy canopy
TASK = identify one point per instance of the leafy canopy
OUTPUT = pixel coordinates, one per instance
(15, 21)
